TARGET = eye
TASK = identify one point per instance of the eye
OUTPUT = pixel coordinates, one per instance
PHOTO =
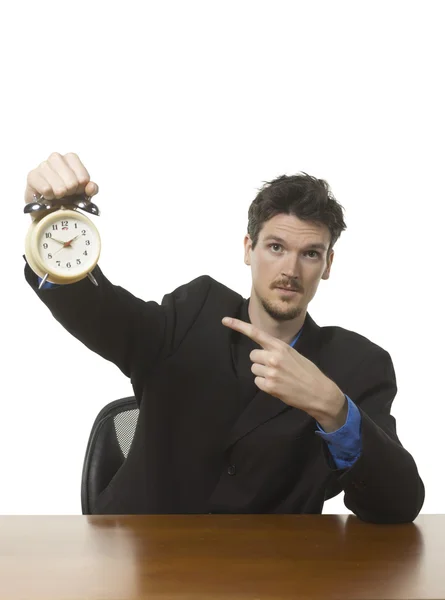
(317, 254)
(272, 246)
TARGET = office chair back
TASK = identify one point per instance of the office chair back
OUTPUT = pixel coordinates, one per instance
(108, 445)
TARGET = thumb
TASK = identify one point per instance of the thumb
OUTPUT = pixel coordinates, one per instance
(91, 188)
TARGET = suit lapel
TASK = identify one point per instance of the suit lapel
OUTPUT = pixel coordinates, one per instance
(263, 406)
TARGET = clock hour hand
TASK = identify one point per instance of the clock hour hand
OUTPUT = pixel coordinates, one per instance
(56, 240)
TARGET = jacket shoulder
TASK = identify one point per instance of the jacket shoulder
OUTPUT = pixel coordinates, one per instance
(197, 291)
(202, 296)
(350, 346)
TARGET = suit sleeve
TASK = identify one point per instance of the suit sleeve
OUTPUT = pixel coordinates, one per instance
(110, 321)
(383, 485)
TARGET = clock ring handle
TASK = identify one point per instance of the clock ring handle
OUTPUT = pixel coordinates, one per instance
(88, 206)
(36, 205)
(39, 204)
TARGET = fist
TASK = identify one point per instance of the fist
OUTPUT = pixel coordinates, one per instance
(58, 177)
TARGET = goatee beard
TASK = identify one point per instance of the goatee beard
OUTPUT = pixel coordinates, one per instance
(281, 315)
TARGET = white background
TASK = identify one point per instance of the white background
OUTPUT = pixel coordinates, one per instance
(180, 110)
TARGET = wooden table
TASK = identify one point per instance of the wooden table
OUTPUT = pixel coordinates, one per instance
(229, 557)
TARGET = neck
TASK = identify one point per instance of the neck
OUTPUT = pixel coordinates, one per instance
(282, 330)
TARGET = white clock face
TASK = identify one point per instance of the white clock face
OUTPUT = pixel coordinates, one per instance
(68, 246)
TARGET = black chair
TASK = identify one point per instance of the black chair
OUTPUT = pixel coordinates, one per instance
(108, 446)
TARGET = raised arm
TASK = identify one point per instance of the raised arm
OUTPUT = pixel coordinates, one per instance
(107, 319)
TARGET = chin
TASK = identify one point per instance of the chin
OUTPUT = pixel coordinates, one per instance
(281, 311)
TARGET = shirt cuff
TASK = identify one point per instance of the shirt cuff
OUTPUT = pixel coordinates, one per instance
(345, 444)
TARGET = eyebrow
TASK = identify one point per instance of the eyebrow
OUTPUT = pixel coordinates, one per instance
(315, 245)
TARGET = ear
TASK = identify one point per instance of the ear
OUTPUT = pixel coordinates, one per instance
(247, 249)
(327, 271)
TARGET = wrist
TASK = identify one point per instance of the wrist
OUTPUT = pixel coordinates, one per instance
(333, 413)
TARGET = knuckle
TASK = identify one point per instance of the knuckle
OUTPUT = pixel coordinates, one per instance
(46, 191)
(54, 156)
(272, 374)
(83, 180)
(72, 186)
(72, 155)
(41, 187)
(60, 192)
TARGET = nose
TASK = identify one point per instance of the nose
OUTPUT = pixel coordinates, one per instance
(290, 267)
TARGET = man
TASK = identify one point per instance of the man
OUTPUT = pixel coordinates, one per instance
(246, 406)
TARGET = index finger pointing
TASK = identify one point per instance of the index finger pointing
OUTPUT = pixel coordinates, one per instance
(260, 337)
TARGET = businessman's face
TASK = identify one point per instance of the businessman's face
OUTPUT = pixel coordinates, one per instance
(290, 254)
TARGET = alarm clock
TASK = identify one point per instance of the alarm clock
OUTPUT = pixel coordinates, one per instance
(62, 244)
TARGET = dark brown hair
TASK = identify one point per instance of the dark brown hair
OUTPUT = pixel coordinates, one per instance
(301, 195)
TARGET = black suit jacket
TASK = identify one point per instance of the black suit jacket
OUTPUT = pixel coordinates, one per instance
(207, 439)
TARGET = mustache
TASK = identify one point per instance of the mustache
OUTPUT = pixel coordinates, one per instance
(289, 285)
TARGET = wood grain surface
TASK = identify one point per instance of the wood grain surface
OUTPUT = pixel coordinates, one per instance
(236, 557)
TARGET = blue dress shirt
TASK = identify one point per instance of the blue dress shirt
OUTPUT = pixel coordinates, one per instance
(345, 444)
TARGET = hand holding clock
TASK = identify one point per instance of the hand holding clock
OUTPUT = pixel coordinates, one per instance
(59, 176)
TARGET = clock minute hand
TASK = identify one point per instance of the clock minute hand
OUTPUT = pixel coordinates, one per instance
(68, 244)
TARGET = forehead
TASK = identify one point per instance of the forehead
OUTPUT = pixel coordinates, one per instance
(294, 230)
